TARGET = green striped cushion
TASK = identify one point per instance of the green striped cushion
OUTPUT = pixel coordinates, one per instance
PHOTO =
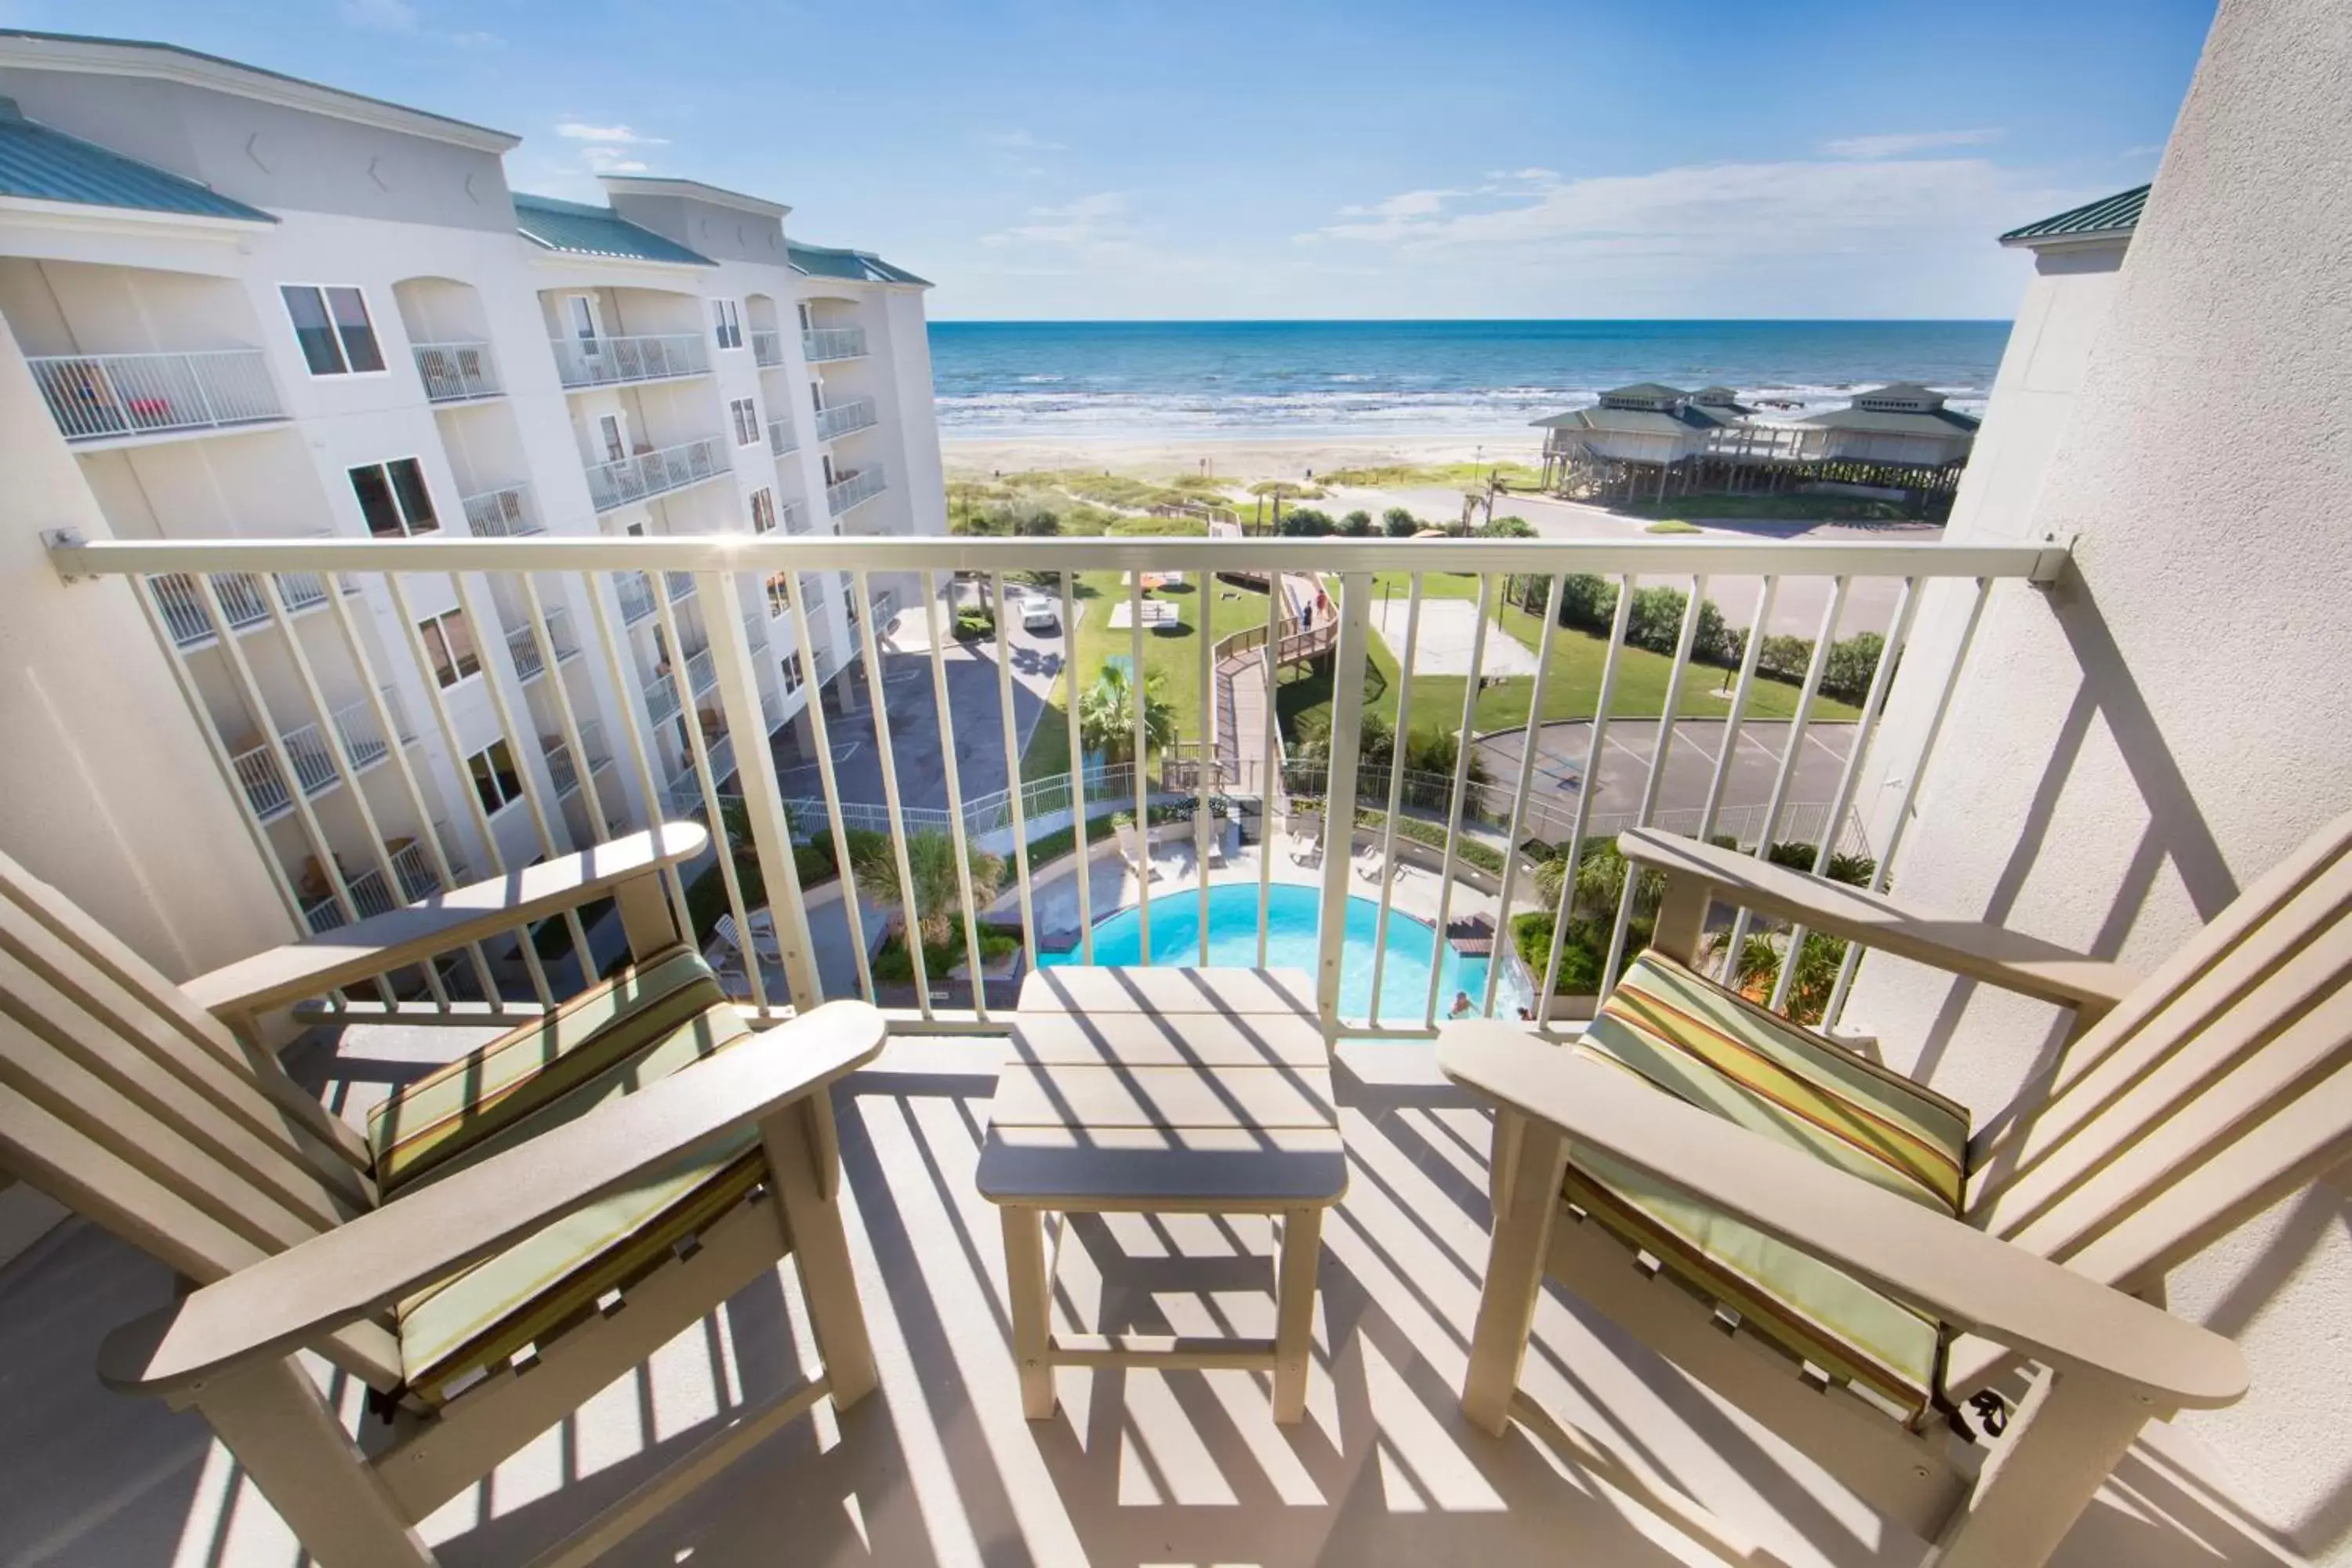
(538, 1078)
(1705, 1045)
(452, 1110)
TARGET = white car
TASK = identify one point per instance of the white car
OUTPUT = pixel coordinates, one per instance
(1040, 615)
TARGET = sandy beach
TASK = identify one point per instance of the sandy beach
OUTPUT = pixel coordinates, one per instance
(1244, 459)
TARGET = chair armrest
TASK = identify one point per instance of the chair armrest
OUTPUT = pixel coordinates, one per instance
(2010, 960)
(293, 1298)
(413, 933)
(1952, 1270)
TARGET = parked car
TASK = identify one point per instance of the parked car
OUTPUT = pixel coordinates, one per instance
(1039, 614)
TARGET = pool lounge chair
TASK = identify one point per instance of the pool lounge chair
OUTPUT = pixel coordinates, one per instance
(636, 1148)
(1855, 1277)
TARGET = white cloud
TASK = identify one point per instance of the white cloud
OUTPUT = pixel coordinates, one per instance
(2145, 149)
(615, 135)
(1023, 142)
(475, 41)
(1899, 143)
(380, 16)
(1093, 222)
(610, 160)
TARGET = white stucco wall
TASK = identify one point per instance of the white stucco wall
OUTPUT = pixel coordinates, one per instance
(2129, 752)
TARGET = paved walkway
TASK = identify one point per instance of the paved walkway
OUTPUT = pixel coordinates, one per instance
(1448, 626)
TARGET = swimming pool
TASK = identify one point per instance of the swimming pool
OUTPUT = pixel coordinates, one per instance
(1291, 925)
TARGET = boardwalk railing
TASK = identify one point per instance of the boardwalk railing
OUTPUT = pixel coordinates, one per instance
(675, 758)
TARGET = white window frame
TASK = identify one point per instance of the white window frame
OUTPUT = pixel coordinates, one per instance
(342, 354)
(789, 670)
(383, 465)
(745, 413)
(435, 623)
(491, 769)
(620, 420)
(763, 509)
(726, 324)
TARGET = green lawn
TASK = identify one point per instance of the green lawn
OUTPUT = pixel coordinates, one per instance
(1171, 654)
(1572, 693)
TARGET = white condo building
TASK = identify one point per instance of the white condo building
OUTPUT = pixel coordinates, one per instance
(255, 307)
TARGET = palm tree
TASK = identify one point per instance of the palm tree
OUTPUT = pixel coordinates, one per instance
(931, 861)
(1107, 716)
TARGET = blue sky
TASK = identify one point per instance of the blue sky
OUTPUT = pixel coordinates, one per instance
(1110, 159)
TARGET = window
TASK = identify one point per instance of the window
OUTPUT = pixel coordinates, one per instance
(747, 420)
(579, 313)
(495, 779)
(807, 320)
(763, 511)
(792, 676)
(450, 642)
(613, 432)
(729, 325)
(332, 326)
(780, 586)
(394, 499)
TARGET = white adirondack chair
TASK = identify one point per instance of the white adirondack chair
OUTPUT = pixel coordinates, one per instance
(153, 1109)
(2186, 1102)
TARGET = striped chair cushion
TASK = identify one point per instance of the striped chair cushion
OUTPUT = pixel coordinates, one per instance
(643, 1025)
(1705, 1045)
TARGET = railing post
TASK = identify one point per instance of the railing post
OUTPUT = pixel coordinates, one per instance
(755, 775)
(1340, 792)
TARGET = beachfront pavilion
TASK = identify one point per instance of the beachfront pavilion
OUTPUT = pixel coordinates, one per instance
(1646, 422)
(1900, 425)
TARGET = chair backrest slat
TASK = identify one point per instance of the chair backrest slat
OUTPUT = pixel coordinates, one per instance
(2141, 1124)
(149, 1058)
(53, 1051)
(135, 1096)
(179, 1019)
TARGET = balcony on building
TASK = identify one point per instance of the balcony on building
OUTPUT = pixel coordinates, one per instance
(821, 345)
(656, 472)
(457, 373)
(194, 606)
(768, 348)
(838, 419)
(781, 438)
(104, 398)
(503, 512)
(854, 489)
(524, 645)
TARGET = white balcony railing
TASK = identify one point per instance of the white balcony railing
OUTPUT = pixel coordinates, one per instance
(856, 490)
(637, 596)
(417, 877)
(363, 740)
(96, 397)
(524, 647)
(781, 439)
(767, 347)
(179, 598)
(456, 372)
(819, 344)
(560, 768)
(502, 513)
(1467, 828)
(610, 362)
(845, 418)
(680, 585)
(793, 518)
(649, 474)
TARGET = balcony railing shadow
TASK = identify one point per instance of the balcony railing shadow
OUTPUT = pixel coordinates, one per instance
(1138, 1466)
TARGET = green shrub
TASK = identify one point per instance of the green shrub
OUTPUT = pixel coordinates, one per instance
(1580, 955)
(1399, 523)
(892, 966)
(1587, 601)
(1508, 528)
(1306, 521)
(971, 626)
(1672, 525)
(1851, 663)
(1357, 524)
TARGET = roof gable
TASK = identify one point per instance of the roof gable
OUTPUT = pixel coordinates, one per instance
(579, 229)
(850, 265)
(2105, 218)
(40, 164)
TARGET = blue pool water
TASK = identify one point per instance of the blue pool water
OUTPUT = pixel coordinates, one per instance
(1291, 926)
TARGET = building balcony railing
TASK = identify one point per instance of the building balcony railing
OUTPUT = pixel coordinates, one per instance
(524, 647)
(98, 397)
(1480, 818)
(457, 371)
(855, 490)
(370, 895)
(819, 344)
(680, 585)
(684, 792)
(782, 438)
(845, 418)
(648, 474)
(180, 599)
(503, 513)
(417, 877)
(793, 518)
(560, 768)
(612, 361)
(767, 347)
(637, 596)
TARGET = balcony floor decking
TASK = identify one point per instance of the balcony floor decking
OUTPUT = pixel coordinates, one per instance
(939, 1467)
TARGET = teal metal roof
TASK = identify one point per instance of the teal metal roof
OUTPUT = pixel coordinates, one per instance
(582, 230)
(2118, 213)
(855, 265)
(42, 164)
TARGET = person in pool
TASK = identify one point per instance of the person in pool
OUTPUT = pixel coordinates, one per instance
(1461, 1006)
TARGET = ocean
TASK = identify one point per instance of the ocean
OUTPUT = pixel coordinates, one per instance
(1321, 379)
